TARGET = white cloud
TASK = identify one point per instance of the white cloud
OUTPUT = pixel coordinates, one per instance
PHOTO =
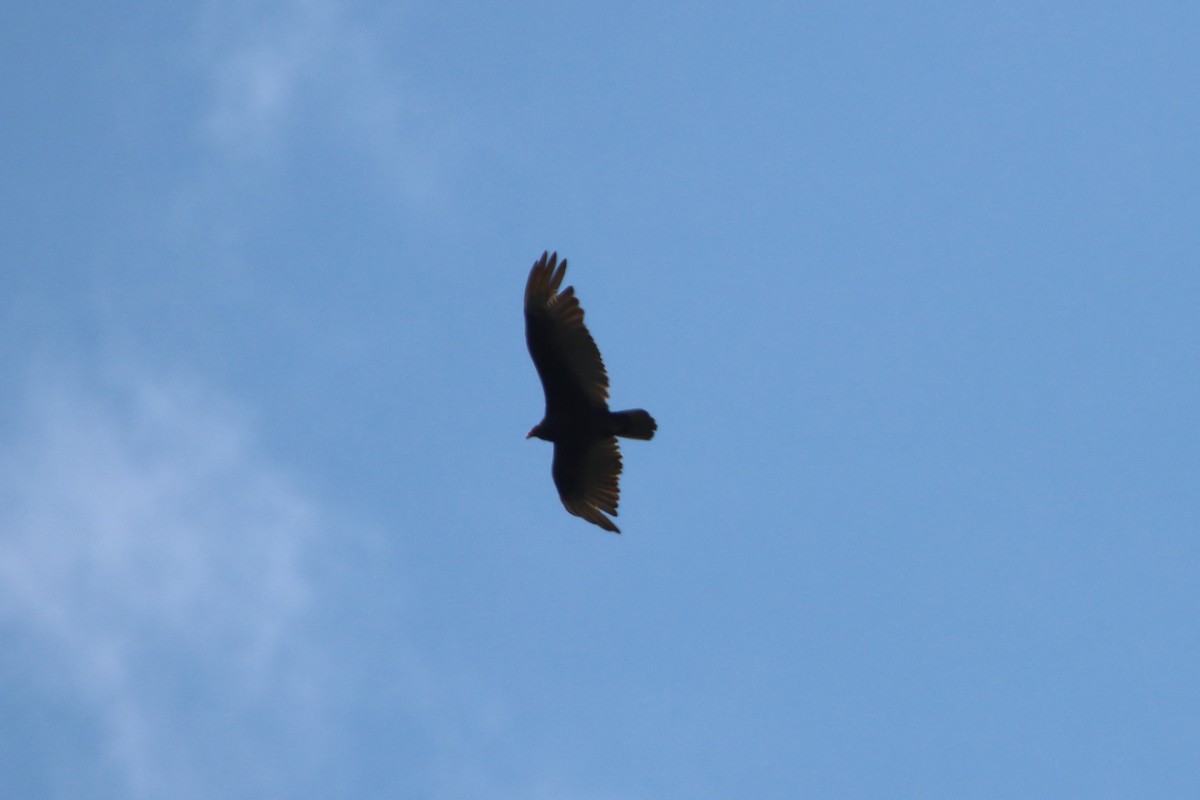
(282, 69)
(157, 560)
(259, 54)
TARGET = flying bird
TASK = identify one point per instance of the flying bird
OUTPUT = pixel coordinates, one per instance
(587, 461)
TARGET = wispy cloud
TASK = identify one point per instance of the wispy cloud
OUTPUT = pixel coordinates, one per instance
(283, 70)
(167, 572)
(157, 559)
(260, 56)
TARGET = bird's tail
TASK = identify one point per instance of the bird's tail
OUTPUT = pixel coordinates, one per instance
(635, 424)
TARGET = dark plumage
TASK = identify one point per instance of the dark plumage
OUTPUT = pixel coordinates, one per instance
(587, 461)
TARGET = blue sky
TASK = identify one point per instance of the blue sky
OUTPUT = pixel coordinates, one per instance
(911, 289)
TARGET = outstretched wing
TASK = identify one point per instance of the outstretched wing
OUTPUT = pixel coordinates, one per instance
(566, 356)
(586, 474)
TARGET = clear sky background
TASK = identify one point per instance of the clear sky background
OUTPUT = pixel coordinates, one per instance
(911, 288)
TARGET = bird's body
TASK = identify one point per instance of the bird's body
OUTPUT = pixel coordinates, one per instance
(587, 461)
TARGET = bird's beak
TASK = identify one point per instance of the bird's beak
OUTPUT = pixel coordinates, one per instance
(530, 434)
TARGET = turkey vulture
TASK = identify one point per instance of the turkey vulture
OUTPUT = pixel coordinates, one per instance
(587, 462)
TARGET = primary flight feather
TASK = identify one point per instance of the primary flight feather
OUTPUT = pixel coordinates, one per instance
(587, 461)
